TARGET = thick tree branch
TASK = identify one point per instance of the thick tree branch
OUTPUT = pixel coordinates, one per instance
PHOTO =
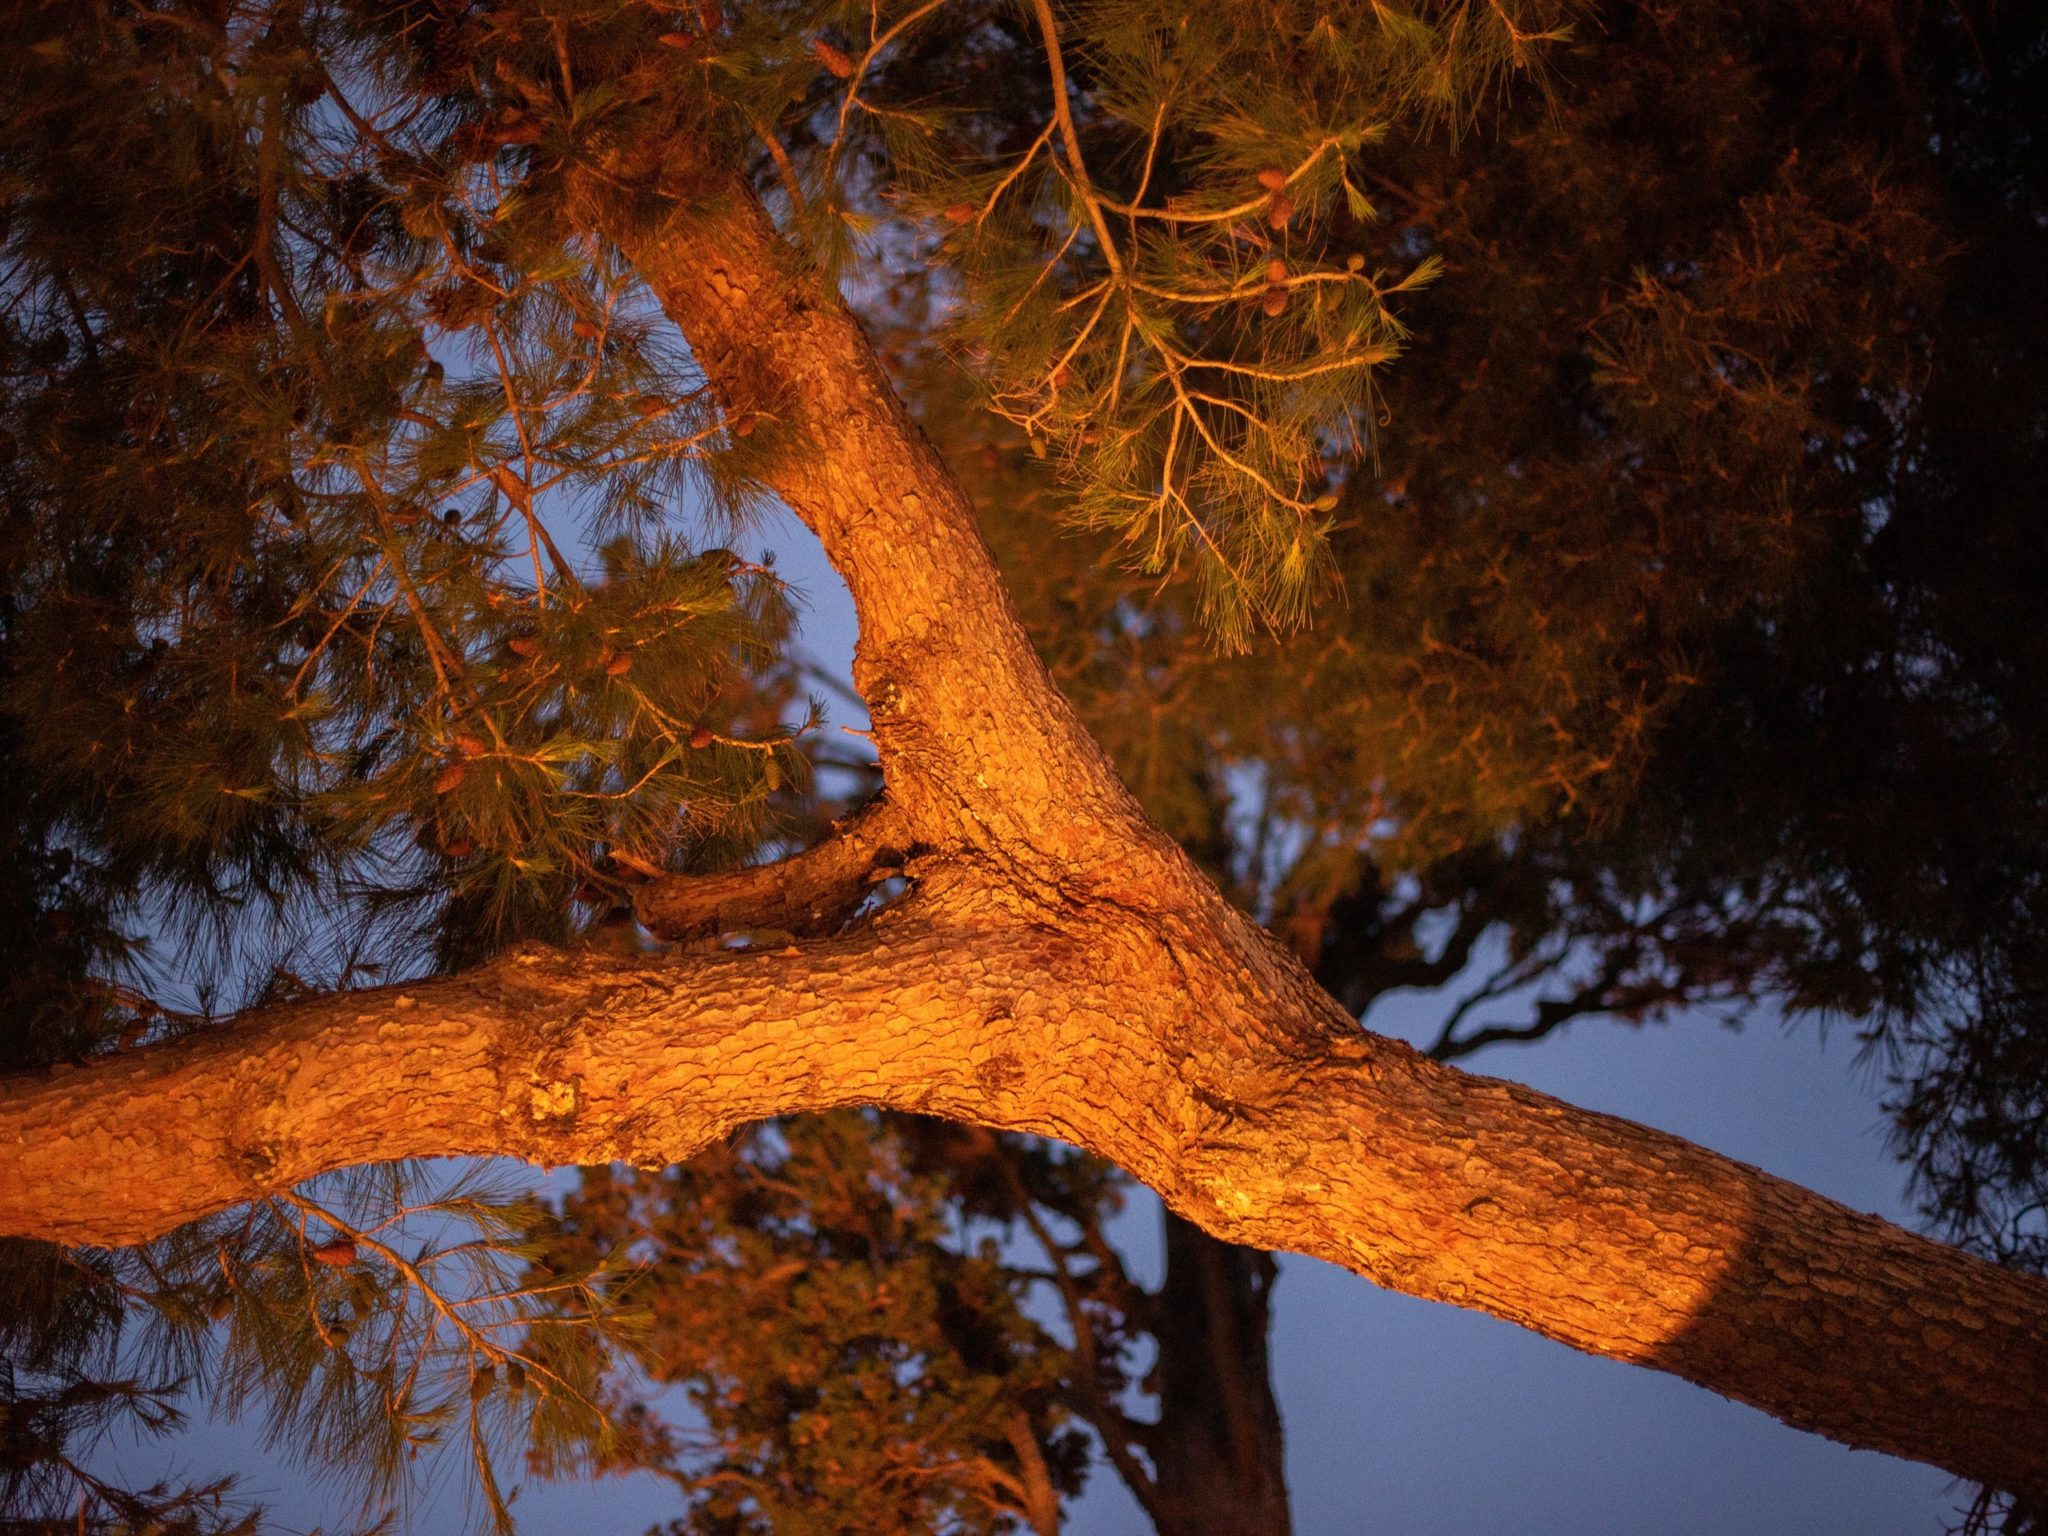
(1108, 1029)
(975, 741)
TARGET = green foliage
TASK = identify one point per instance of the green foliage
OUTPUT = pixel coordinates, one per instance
(1687, 649)
(60, 1398)
(1154, 262)
(285, 456)
(377, 1317)
(369, 1318)
(852, 1303)
(298, 682)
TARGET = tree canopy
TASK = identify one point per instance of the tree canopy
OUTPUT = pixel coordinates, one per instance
(1535, 496)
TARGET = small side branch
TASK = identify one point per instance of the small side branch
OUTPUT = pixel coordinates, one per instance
(813, 892)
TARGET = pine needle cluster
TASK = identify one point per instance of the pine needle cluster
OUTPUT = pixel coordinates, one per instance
(374, 1320)
(1158, 251)
(291, 461)
(347, 608)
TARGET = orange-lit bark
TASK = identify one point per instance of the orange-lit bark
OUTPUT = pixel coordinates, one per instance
(1059, 967)
(1254, 1113)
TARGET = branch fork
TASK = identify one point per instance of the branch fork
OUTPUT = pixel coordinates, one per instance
(1061, 968)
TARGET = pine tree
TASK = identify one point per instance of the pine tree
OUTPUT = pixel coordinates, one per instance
(326, 321)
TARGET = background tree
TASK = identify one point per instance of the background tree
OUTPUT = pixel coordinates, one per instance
(1630, 442)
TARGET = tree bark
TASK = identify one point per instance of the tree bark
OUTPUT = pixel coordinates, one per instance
(1140, 1037)
(1059, 968)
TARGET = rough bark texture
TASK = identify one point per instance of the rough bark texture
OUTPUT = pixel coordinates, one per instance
(1059, 968)
(1218, 1445)
(1107, 1028)
(813, 892)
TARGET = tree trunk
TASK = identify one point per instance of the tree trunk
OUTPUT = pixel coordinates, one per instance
(1060, 968)
(1218, 1446)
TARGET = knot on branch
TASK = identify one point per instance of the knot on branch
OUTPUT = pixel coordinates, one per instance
(810, 893)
